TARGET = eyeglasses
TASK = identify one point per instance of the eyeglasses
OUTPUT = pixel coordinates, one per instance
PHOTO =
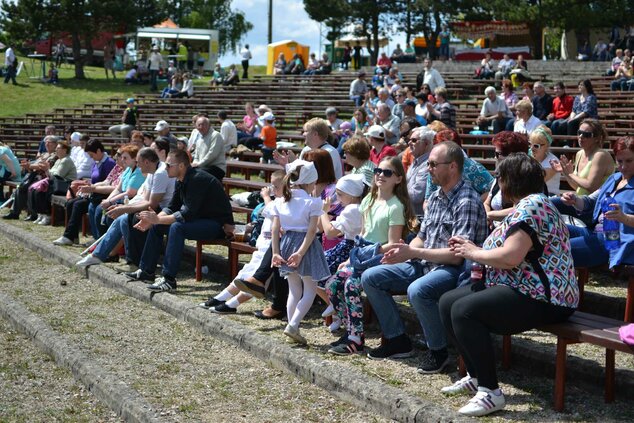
(386, 172)
(414, 140)
(433, 165)
(537, 146)
(499, 154)
(168, 165)
(585, 134)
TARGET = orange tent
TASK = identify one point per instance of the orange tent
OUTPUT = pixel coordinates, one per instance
(167, 23)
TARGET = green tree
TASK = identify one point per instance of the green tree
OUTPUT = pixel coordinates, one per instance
(81, 19)
(371, 19)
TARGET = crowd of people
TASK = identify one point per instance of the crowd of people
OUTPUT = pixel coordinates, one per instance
(386, 203)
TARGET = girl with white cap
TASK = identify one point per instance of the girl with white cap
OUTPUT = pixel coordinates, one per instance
(298, 253)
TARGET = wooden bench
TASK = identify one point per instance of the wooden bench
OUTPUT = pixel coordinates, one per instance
(60, 201)
(235, 250)
(582, 279)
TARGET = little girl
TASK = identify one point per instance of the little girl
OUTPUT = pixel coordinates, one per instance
(298, 253)
(386, 213)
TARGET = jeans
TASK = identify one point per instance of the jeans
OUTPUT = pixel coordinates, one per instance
(11, 71)
(96, 220)
(134, 241)
(358, 100)
(177, 233)
(423, 292)
(115, 232)
(75, 209)
(153, 78)
(588, 248)
(122, 130)
(558, 126)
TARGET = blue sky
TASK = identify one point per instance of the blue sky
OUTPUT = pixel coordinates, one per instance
(290, 22)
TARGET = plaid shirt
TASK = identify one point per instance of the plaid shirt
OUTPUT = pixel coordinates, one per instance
(460, 212)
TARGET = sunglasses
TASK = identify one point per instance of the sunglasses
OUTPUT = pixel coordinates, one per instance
(168, 165)
(585, 134)
(386, 172)
(536, 146)
(499, 154)
(433, 165)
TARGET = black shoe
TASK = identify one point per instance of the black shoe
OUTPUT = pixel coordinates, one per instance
(30, 218)
(112, 259)
(397, 347)
(260, 315)
(347, 348)
(163, 284)
(223, 309)
(250, 288)
(211, 302)
(11, 216)
(342, 340)
(140, 275)
(434, 361)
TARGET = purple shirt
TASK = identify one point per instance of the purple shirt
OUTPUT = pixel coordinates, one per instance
(101, 169)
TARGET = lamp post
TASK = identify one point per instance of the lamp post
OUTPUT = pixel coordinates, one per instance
(270, 21)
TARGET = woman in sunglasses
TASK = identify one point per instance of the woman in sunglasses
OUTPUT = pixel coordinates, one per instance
(591, 166)
(540, 140)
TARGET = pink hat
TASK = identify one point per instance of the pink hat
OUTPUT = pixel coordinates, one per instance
(627, 334)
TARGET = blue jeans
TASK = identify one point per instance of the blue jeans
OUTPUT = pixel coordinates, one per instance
(588, 248)
(176, 233)
(119, 229)
(358, 100)
(423, 292)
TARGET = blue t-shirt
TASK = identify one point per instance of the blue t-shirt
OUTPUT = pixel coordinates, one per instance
(132, 179)
(6, 151)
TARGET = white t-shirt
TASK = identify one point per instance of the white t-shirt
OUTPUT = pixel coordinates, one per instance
(349, 221)
(527, 127)
(334, 155)
(159, 183)
(295, 214)
(554, 182)
(490, 108)
(83, 162)
(229, 134)
(245, 53)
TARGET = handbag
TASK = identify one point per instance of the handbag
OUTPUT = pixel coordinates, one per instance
(60, 186)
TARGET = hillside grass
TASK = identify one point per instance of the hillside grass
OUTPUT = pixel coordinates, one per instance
(34, 96)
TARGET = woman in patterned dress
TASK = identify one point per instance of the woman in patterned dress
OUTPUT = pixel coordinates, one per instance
(530, 281)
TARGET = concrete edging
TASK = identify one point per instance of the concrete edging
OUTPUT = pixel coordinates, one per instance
(125, 401)
(353, 387)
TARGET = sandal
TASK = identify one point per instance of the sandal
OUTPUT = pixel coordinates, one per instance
(250, 288)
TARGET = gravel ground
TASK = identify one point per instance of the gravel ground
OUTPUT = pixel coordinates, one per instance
(529, 395)
(185, 375)
(34, 389)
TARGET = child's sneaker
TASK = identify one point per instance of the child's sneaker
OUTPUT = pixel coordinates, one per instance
(483, 403)
(348, 348)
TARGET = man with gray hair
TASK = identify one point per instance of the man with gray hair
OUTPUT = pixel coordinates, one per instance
(385, 98)
(421, 141)
(494, 112)
(542, 102)
(209, 150)
(358, 88)
(389, 122)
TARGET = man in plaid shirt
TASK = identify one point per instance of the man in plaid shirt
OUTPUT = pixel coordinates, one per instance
(426, 268)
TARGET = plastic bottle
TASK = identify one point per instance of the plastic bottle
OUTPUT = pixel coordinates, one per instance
(477, 272)
(611, 228)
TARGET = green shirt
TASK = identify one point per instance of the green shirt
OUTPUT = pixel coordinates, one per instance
(378, 219)
(65, 169)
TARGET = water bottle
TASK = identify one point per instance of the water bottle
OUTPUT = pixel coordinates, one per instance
(611, 228)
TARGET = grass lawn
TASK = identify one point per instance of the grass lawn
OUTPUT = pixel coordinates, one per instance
(33, 96)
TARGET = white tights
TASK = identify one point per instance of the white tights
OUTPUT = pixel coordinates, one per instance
(301, 294)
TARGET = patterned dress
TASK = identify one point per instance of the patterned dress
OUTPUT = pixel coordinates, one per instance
(547, 272)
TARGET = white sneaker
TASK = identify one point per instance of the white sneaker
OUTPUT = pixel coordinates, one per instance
(483, 403)
(39, 218)
(89, 260)
(329, 311)
(466, 384)
(293, 333)
(62, 240)
(45, 221)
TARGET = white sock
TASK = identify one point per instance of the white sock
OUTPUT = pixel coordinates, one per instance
(303, 306)
(233, 302)
(355, 338)
(224, 295)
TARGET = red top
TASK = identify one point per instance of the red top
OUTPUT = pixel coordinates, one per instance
(269, 136)
(384, 61)
(386, 151)
(562, 107)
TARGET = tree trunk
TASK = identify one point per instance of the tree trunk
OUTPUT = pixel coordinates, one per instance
(79, 64)
(375, 39)
(536, 36)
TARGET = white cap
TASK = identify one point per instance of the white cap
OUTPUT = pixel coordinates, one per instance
(75, 137)
(161, 124)
(267, 116)
(307, 173)
(352, 184)
(376, 131)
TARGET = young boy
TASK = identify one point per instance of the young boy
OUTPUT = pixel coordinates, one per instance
(268, 135)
